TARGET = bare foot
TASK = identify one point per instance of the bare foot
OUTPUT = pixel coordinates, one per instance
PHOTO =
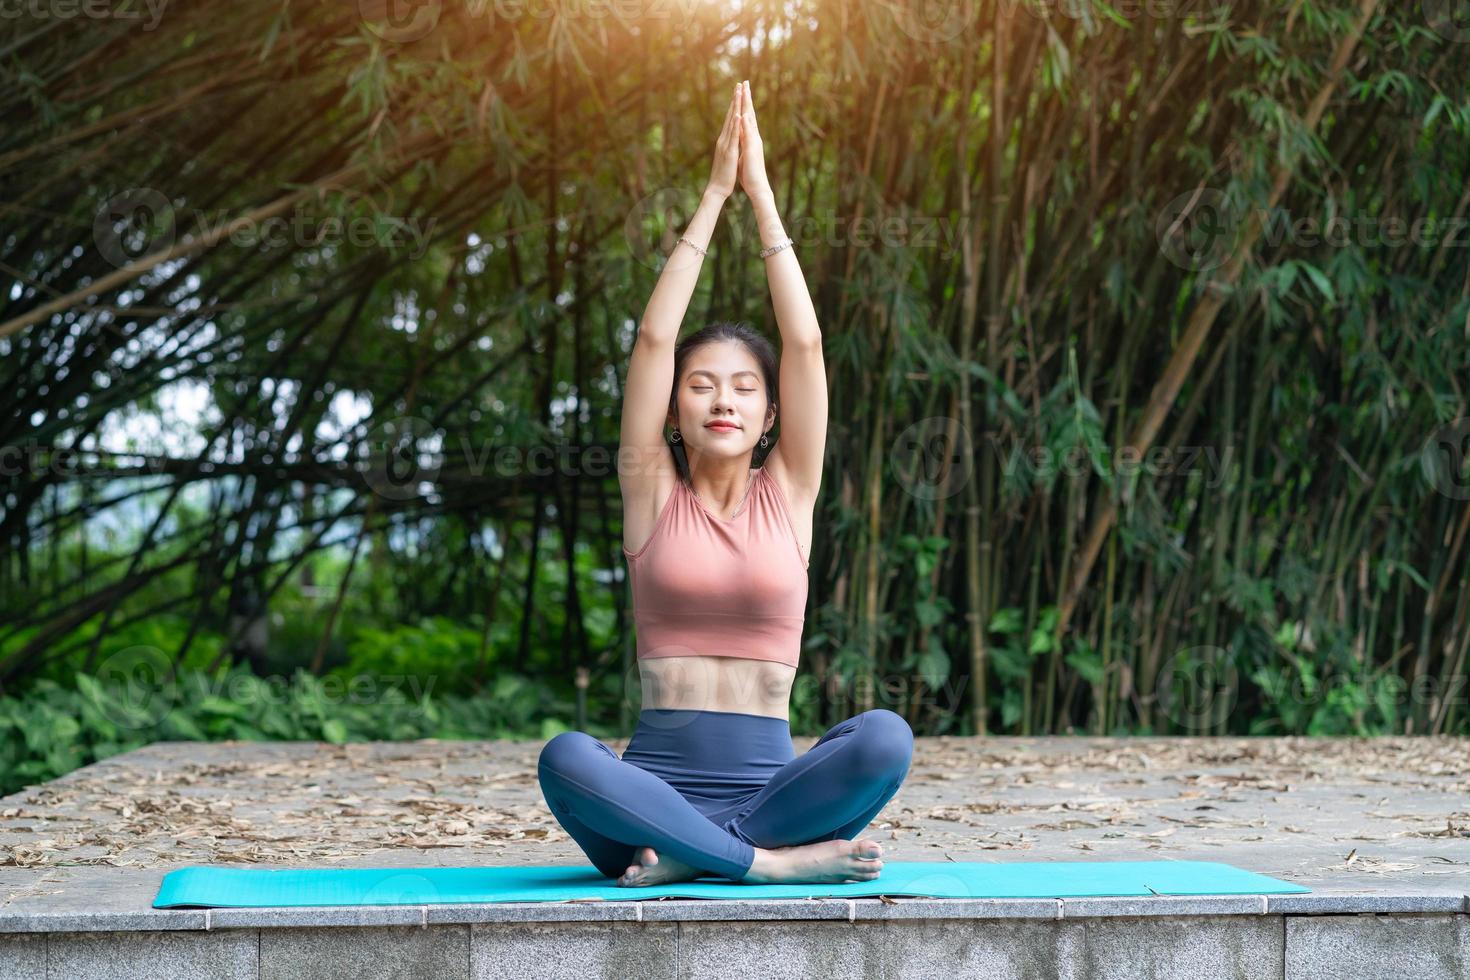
(648, 868)
(840, 861)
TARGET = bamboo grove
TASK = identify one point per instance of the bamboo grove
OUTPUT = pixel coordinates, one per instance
(1118, 442)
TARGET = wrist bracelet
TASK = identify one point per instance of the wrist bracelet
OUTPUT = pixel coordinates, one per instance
(690, 244)
(765, 252)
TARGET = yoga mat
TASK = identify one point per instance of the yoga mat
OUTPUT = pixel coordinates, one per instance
(220, 887)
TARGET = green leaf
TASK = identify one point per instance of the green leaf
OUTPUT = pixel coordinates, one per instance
(1010, 664)
(934, 664)
(1088, 664)
(1436, 106)
(1320, 280)
(1007, 620)
(176, 722)
(928, 613)
(220, 706)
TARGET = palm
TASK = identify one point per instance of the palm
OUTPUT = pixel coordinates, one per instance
(726, 168)
(752, 150)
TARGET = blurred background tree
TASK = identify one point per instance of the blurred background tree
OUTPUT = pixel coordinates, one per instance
(1146, 327)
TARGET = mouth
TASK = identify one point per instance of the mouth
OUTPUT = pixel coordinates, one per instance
(721, 427)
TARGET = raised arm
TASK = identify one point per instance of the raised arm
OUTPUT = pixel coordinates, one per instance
(803, 399)
(650, 378)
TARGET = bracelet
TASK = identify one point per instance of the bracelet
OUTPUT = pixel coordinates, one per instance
(766, 252)
(690, 244)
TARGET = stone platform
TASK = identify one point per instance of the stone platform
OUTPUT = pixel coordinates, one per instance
(1378, 829)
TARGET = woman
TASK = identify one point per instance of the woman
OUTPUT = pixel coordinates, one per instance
(717, 554)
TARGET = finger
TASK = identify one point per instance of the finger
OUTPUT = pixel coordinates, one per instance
(730, 114)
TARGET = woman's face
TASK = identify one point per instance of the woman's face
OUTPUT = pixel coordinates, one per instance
(722, 381)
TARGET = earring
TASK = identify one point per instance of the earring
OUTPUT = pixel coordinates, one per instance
(764, 441)
(675, 437)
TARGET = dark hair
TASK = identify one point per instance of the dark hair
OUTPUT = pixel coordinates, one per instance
(723, 330)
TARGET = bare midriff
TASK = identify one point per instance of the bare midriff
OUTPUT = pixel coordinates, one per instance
(753, 687)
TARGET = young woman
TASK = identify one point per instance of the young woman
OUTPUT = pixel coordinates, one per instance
(717, 552)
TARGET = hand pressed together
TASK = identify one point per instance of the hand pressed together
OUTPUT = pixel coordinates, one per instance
(727, 150)
(739, 153)
(753, 178)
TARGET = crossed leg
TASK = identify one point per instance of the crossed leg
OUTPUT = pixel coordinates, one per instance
(611, 808)
(834, 789)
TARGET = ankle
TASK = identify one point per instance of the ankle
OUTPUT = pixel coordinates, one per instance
(764, 866)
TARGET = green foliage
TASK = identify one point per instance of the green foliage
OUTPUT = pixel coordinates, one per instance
(437, 654)
(1050, 316)
(50, 729)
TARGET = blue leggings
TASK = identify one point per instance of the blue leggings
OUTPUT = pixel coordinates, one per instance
(709, 787)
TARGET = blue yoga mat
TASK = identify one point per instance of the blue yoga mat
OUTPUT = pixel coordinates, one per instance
(221, 887)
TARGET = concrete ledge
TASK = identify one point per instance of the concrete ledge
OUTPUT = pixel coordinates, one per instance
(551, 951)
(1164, 905)
(1184, 949)
(957, 908)
(1103, 947)
(143, 920)
(778, 910)
(24, 956)
(512, 912)
(151, 956)
(1351, 903)
(309, 916)
(1372, 947)
(41, 921)
(441, 953)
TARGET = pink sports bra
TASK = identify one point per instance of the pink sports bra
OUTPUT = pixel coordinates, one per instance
(705, 586)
